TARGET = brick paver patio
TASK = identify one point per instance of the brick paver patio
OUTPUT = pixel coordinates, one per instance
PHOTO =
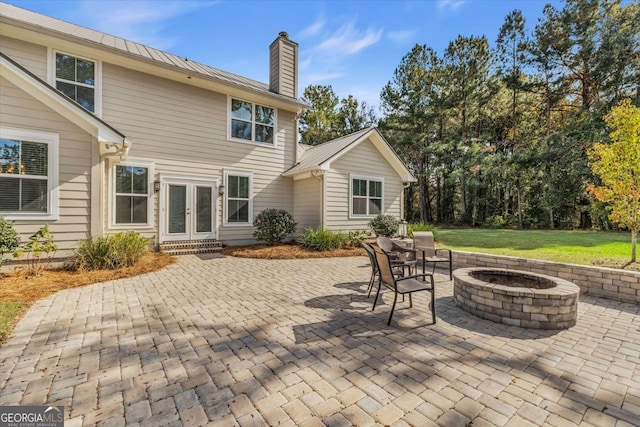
(229, 341)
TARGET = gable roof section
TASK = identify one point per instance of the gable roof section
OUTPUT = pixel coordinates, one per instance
(57, 101)
(319, 158)
(66, 30)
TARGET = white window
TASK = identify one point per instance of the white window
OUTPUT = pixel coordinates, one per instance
(77, 78)
(238, 198)
(251, 122)
(28, 175)
(366, 196)
(132, 202)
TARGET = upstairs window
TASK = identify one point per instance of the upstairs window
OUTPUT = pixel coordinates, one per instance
(252, 122)
(366, 196)
(28, 178)
(76, 78)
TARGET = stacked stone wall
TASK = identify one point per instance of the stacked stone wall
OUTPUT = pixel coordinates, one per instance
(610, 283)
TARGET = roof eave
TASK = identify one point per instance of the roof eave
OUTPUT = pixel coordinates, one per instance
(177, 73)
(383, 147)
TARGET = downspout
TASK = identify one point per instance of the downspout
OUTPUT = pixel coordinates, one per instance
(319, 175)
(115, 150)
(296, 120)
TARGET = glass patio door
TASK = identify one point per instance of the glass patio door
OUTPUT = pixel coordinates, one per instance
(189, 211)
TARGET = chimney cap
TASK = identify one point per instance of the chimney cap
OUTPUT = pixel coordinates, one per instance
(283, 34)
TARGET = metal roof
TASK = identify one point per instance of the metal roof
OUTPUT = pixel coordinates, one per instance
(315, 156)
(138, 50)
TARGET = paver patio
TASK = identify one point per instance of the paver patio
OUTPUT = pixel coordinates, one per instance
(230, 341)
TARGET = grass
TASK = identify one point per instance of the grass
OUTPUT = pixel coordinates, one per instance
(606, 249)
(10, 313)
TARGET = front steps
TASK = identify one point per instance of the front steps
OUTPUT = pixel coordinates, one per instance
(183, 247)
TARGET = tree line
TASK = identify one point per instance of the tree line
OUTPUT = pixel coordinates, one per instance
(499, 136)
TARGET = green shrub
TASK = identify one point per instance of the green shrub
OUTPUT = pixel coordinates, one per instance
(110, 252)
(419, 226)
(354, 239)
(9, 239)
(40, 250)
(273, 225)
(500, 221)
(384, 225)
(321, 239)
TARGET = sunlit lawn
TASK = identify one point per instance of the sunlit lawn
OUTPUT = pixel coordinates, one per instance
(577, 247)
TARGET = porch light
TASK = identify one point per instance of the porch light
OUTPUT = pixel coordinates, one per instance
(156, 186)
(402, 229)
(221, 190)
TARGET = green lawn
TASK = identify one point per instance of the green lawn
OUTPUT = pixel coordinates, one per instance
(577, 247)
(10, 312)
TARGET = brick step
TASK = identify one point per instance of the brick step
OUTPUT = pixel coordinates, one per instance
(184, 247)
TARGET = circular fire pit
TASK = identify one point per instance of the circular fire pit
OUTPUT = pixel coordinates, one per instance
(518, 298)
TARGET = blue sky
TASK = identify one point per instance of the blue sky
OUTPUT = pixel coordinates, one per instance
(354, 46)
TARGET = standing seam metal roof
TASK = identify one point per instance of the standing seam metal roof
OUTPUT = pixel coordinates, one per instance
(130, 47)
(316, 155)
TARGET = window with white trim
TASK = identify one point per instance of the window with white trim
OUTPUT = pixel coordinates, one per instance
(76, 78)
(366, 196)
(238, 198)
(132, 201)
(251, 122)
(28, 174)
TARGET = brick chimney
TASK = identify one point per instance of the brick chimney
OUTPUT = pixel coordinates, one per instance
(283, 66)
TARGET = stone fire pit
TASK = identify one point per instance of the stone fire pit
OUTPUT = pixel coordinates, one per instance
(518, 298)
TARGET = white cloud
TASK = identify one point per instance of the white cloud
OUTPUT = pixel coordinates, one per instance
(312, 29)
(348, 41)
(402, 35)
(305, 63)
(317, 78)
(142, 21)
(450, 4)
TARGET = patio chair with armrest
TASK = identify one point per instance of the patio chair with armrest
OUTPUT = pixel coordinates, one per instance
(424, 242)
(397, 253)
(402, 285)
(398, 266)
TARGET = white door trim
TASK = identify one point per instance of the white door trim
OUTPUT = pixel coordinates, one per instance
(190, 181)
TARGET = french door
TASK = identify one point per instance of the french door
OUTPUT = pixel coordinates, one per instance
(187, 209)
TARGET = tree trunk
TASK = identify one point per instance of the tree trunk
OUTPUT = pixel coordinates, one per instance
(519, 194)
(421, 195)
(438, 201)
(506, 199)
(634, 241)
(427, 193)
(463, 190)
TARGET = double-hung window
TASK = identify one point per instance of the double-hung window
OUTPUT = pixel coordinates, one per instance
(252, 122)
(238, 198)
(76, 78)
(28, 174)
(132, 195)
(366, 196)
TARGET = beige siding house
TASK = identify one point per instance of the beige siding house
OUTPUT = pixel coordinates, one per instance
(101, 134)
(351, 179)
